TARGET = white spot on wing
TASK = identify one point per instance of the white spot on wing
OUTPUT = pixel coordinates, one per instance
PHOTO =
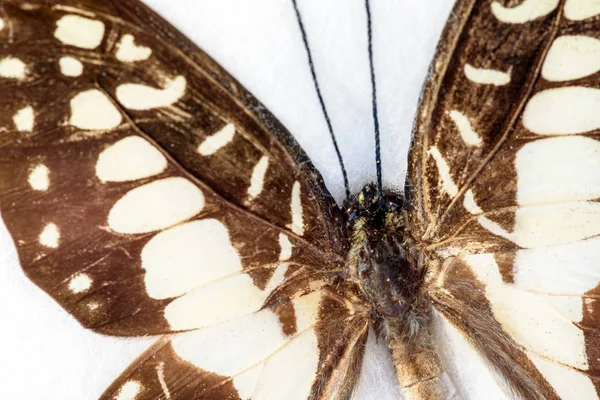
(156, 205)
(39, 178)
(129, 159)
(448, 184)
(563, 111)
(246, 382)
(142, 97)
(558, 169)
(469, 136)
(236, 346)
(78, 31)
(487, 76)
(2, 24)
(572, 57)
(215, 142)
(539, 327)
(297, 225)
(470, 203)
(190, 312)
(160, 372)
(24, 119)
(188, 256)
(92, 110)
(50, 236)
(278, 382)
(128, 51)
(547, 225)
(257, 181)
(528, 10)
(70, 66)
(286, 247)
(80, 283)
(129, 391)
(578, 10)
(12, 68)
(568, 383)
(543, 269)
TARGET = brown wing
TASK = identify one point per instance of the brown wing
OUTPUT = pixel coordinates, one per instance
(140, 181)
(505, 169)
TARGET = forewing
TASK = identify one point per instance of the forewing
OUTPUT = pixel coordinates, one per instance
(141, 183)
(506, 188)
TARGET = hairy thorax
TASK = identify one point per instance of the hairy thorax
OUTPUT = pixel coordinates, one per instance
(390, 271)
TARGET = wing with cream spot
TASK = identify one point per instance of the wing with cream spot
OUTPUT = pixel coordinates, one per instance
(283, 352)
(146, 191)
(506, 189)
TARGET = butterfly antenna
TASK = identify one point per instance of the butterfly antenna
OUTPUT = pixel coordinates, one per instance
(321, 101)
(374, 99)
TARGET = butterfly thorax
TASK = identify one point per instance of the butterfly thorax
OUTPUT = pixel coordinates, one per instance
(383, 261)
(389, 269)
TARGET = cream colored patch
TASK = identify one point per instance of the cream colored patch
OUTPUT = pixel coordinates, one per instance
(570, 307)
(297, 225)
(129, 391)
(233, 347)
(568, 383)
(156, 205)
(540, 327)
(2, 24)
(558, 169)
(188, 256)
(278, 381)
(191, 311)
(468, 135)
(486, 76)
(142, 97)
(92, 110)
(563, 111)
(50, 236)
(128, 51)
(129, 159)
(257, 181)
(470, 204)
(578, 10)
(217, 141)
(80, 283)
(24, 119)
(246, 382)
(569, 269)
(528, 10)
(78, 31)
(70, 66)
(160, 373)
(12, 68)
(572, 57)
(39, 178)
(286, 247)
(548, 225)
(448, 184)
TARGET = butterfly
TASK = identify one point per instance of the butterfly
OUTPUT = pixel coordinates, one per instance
(145, 189)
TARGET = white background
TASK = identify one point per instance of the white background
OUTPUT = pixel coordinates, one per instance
(47, 355)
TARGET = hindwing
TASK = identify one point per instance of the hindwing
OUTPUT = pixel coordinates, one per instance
(506, 188)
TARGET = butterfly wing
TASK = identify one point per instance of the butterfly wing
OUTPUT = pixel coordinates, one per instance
(261, 361)
(148, 193)
(506, 189)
